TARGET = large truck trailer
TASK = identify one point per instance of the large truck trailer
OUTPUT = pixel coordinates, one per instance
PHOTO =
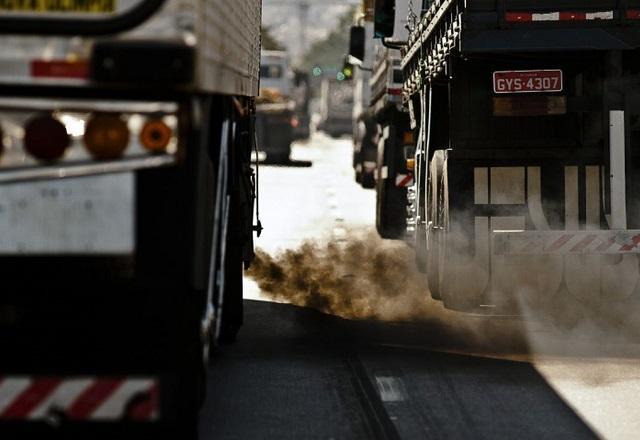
(526, 119)
(365, 129)
(126, 208)
(385, 123)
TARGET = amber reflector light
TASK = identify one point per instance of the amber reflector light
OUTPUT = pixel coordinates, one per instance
(155, 136)
(45, 138)
(106, 136)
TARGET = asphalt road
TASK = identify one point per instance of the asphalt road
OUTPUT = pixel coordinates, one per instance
(417, 372)
(296, 373)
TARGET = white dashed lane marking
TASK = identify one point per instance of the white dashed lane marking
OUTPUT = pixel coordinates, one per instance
(391, 389)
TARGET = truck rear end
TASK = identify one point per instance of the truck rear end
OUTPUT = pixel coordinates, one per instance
(276, 106)
(336, 106)
(126, 208)
(525, 115)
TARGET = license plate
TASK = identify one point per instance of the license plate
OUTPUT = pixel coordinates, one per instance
(89, 215)
(528, 81)
(75, 6)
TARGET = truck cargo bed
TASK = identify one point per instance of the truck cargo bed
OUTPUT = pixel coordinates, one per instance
(517, 26)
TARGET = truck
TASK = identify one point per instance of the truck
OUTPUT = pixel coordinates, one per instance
(301, 121)
(386, 121)
(526, 121)
(126, 208)
(360, 62)
(336, 104)
(276, 106)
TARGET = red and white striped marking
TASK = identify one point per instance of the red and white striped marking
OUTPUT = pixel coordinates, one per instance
(525, 17)
(404, 180)
(566, 243)
(79, 399)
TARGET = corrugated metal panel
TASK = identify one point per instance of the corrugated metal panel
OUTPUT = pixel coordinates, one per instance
(229, 46)
(226, 34)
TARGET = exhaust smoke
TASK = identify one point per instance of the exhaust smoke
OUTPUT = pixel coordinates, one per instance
(360, 278)
(367, 278)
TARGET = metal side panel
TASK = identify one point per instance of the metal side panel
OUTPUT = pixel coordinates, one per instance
(225, 34)
(228, 33)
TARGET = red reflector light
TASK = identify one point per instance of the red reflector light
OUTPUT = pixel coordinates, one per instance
(106, 136)
(394, 92)
(529, 106)
(633, 14)
(571, 16)
(46, 138)
(519, 16)
(60, 69)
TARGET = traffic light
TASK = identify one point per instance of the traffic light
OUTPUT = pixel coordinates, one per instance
(346, 73)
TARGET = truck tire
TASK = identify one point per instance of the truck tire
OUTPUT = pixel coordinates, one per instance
(391, 201)
(234, 229)
(436, 219)
(420, 233)
(232, 312)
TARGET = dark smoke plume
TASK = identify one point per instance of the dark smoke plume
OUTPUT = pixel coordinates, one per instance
(365, 277)
(360, 278)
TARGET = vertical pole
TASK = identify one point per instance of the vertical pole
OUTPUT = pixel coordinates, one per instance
(617, 169)
(303, 16)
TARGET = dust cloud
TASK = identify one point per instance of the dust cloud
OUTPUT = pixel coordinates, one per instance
(367, 278)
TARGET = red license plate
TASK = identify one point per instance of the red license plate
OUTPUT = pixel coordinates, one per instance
(527, 81)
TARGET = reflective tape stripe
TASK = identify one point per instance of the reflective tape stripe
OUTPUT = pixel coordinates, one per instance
(515, 17)
(91, 398)
(115, 406)
(10, 389)
(61, 398)
(573, 242)
(403, 180)
(605, 15)
(551, 16)
(582, 245)
(147, 408)
(30, 399)
(79, 398)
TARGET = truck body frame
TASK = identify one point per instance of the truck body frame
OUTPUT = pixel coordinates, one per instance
(122, 268)
(497, 161)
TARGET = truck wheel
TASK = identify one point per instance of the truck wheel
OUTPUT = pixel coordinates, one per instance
(227, 270)
(232, 312)
(437, 219)
(357, 164)
(420, 234)
(367, 180)
(391, 201)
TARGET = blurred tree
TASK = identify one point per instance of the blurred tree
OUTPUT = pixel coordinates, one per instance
(328, 54)
(269, 42)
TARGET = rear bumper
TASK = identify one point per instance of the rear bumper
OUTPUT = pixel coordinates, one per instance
(86, 399)
(610, 242)
(527, 39)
